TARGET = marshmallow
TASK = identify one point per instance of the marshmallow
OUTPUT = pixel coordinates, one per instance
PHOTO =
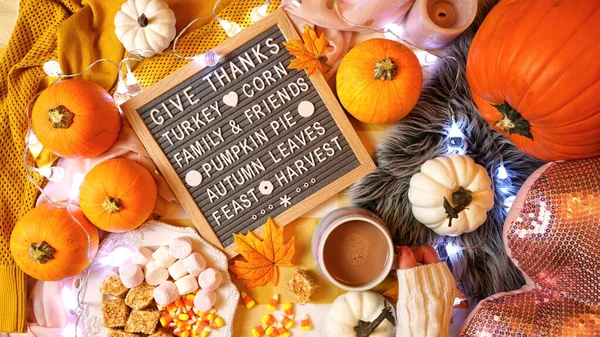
(195, 263)
(166, 293)
(124, 266)
(163, 258)
(205, 300)
(141, 256)
(155, 273)
(177, 270)
(186, 285)
(181, 247)
(132, 276)
(210, 279)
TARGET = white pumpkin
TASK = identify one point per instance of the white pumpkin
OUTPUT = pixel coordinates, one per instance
(349, 308)
(441, 185)
(147, 25)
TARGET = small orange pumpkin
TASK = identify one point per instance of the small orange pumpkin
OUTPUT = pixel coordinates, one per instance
(49, 245)
(379, 81)
(118, 195)
(76, 119)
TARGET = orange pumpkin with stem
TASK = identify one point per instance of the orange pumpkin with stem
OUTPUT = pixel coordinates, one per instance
(76, 119)
(379, 81)
(47, 244)
(534, 75)
(118, 195)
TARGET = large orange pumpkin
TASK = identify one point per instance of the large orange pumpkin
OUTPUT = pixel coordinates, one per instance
(118, 195)
(49, 245)
(379, 81)
(535, 76)
(76, 119)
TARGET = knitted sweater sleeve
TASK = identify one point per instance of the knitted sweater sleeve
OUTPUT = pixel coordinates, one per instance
(425, 301)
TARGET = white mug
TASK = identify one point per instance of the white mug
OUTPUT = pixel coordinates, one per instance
(337, 218)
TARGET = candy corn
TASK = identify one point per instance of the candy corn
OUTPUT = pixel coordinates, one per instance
(205, 332)
(185, 334)
(273, 302)
(217, 323)
(189, 301)
(165, 319)
(272, 331)
(248, 301)
(268, 319)
(259, 330)
(305, 324)
(287, 322)
(288, 310)
(282, 331)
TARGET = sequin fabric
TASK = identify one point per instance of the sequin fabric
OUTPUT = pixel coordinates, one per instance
(555, 240)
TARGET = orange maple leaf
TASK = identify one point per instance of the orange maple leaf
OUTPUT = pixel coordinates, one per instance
(263, 257)
(310, 51)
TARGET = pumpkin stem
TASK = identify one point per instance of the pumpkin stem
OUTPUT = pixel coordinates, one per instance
(111, 205)
(460, 199)
(512, 121)
(41, 252)
(60, 117)
(385, 69)
(142, 20)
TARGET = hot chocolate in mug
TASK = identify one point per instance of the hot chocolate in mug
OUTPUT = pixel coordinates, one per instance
(352, 248)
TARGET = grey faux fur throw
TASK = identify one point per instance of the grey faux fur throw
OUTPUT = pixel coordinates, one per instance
(484, 269)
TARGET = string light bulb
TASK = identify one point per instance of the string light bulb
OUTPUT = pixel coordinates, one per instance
(259, 12)
(52, 68)
(452, 249)
(121, 95)
(230, 27)
(393, 30)
(52, 173)
(132, 85)
(503, 180)
(210, 58)
(297, 3)
(457, 141)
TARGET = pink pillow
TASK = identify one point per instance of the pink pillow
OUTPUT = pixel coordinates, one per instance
(552, 233)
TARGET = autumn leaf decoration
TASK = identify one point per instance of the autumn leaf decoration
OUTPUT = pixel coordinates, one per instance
(263, 256)
(310, 51)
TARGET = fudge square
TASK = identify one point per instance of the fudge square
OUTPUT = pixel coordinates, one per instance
(143, 321)
(115, 313)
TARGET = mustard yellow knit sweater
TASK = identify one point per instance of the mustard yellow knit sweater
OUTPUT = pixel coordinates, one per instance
(75, 33)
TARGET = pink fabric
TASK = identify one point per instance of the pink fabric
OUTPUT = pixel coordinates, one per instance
(376, 14)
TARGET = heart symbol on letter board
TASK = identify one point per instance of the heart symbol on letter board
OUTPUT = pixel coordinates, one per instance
(231, 99)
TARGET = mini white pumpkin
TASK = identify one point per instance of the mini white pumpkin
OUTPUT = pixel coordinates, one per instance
(349, 308)
(145, 25)
(451, 195)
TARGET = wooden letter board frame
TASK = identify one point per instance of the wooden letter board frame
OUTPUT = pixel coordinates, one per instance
(130, 110)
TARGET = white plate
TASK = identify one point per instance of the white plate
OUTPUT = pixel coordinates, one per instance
(154, 234)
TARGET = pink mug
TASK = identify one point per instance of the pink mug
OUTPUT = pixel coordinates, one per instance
(337, 218)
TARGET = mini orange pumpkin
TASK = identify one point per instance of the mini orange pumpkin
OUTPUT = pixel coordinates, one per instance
(49, 245)
(76, 119)
(379, 81)
(118, 195)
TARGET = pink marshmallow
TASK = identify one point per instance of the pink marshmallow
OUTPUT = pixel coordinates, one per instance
(132, 276)
(166, 293)
(195, 263)
(186, 285)
(205, 300)
(180, 247)
(142, 256)
(210, 279)
(125, 266)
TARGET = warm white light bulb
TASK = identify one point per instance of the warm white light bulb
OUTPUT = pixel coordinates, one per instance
(258, 13)
(210, 58)
(69, 299)
(297, 3)
(52, 68)
(393, 30)
(503, 180)
(452, 250)
(456, 140)
(75, 185)
(121, 95)
(52, 173)
(230, 28)
(425, 58)
(133, 87)
(32, 139)
(508, 201)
